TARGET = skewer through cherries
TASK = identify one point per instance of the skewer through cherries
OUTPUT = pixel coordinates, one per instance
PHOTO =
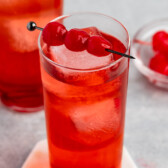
(55, 34)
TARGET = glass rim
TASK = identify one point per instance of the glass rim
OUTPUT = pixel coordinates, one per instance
(89, 69)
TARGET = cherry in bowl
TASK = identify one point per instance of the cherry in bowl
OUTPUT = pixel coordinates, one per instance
(149, 48)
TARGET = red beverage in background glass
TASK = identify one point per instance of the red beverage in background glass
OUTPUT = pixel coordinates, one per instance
(20, 80)
(85, 97)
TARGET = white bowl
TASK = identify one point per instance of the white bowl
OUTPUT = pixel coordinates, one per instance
(143, 52)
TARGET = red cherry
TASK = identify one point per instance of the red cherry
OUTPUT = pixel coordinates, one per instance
(76, 40)
(54, 33)
(164, 49)
(97, 46)
(158, 63)
(166, 70)
(160, 42)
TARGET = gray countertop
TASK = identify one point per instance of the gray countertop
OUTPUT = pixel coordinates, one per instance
(146, 134)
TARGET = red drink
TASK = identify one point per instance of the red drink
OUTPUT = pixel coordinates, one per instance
(20, 81)
(85, 108)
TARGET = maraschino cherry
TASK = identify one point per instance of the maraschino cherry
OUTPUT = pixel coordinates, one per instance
(97, 45)
(54, 33)
(76, 40)
(159, 62)
(160, 42)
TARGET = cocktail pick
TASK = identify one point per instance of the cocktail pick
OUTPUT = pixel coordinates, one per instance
(31, 26)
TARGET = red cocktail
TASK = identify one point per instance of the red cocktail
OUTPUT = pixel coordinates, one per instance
(85, 96)
(20, 81)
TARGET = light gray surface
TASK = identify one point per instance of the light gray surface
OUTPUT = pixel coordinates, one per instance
(146, 135)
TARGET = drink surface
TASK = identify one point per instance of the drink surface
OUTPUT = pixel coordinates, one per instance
(85, 110)
(20, 81)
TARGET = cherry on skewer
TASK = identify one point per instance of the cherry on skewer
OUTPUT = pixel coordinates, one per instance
(31, 26)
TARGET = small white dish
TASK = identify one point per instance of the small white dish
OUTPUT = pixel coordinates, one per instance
(143, 52)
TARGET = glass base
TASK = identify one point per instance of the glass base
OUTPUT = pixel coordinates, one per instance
(23, 104)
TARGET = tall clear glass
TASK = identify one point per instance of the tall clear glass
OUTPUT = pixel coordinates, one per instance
(20, 80)
(85, 108)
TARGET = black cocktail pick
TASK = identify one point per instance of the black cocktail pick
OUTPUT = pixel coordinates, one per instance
(122, 54)
(31, 26)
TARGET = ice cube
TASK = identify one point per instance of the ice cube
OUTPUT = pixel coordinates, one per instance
(98, 116)
(92, 31)
(78, 60)
(96, 123)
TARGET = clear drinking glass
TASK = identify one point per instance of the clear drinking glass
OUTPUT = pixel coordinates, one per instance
(20, 80)
(85, 108)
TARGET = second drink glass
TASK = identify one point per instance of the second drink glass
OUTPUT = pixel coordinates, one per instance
(20, 80)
